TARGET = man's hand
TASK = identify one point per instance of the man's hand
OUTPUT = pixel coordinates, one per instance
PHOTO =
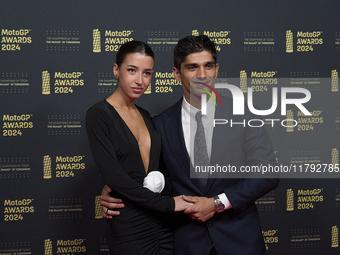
(203, 208)
(108, 202)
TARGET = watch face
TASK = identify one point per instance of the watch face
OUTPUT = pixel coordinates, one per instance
(219, 208)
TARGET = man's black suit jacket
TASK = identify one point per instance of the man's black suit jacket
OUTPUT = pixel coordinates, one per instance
(237, 230)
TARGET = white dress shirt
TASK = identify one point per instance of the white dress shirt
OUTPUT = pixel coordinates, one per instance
(189, 125)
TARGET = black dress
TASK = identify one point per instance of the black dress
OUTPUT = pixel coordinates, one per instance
(142, 226)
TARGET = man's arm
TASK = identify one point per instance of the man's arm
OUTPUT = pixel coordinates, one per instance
(258, 151)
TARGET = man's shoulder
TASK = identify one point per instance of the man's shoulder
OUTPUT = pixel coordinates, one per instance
(230, 104)
(174, 109)
(227, 102)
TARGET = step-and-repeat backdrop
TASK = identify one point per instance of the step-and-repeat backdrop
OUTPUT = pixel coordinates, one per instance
(56, 61)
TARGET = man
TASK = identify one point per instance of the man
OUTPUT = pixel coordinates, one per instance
(224, 218)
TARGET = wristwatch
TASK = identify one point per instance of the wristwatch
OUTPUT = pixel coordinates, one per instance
(219, 206)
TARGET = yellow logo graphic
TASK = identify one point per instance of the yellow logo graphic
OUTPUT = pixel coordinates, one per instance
(335, 81)
(289, 41)
(46, 88)
(48, 247)
(335, 158)
(243, 81)
(148, 91)
(335, 237)
(290, 200)
(47, 167)
(96, 41)
(98, 209)
(290, 124)
(195, 32)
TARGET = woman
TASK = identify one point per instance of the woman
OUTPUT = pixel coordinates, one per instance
(126, 147)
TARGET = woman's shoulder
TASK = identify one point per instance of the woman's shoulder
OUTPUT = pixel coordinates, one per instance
(99, 110)
(101, 106)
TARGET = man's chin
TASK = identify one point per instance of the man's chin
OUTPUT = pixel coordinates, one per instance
(205, 83)
(199, 90)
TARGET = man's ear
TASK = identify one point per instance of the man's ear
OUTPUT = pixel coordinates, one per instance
(217, 67)
(177, 74)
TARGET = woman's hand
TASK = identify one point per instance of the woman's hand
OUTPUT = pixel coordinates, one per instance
(181, 204)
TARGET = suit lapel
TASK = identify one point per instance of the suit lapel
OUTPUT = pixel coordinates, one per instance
(221, 136)
(175, 138)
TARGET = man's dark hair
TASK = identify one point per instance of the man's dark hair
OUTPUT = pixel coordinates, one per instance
(192, 44)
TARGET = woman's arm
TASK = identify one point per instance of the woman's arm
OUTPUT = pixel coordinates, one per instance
(109, 204)
(98, 131)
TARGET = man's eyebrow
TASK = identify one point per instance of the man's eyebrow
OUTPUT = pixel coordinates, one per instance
(195, 64)
(191, 64)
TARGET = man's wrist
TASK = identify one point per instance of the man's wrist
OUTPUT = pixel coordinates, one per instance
(219, 206)
(224, 199)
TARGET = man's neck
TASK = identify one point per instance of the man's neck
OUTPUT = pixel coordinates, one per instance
(194, 101)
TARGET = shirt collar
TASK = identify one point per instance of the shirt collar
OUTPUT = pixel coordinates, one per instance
(191, 110)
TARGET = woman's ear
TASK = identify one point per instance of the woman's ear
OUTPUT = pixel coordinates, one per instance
(116, 71)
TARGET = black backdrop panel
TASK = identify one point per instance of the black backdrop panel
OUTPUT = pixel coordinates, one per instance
(56, 61)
